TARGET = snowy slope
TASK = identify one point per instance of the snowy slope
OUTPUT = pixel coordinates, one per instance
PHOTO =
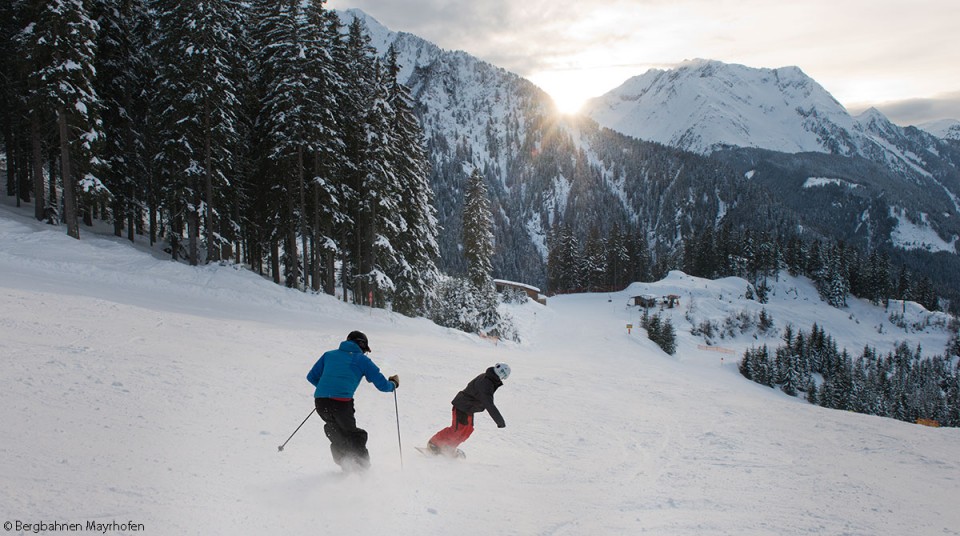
(703, 105)
(139, 389)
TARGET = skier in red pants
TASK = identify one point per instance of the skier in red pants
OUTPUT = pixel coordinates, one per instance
(476, 396)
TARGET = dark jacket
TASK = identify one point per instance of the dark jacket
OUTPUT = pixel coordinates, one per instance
(478, 396)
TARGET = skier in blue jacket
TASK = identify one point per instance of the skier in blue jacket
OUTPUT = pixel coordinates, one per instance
(336, 376)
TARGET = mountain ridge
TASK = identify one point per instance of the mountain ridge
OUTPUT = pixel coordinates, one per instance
(545, 169)
(703, 105)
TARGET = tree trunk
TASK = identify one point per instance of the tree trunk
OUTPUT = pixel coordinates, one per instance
(176, 232)
(38, 200)
(152, 204)
(24, 187)
(314, 245)
(368, 255)
(303, 219)
(193, 223)
(118, 215)
(52, 183)
(193, 232)
(132, 213)
(275, 260)
(344, 278)
(330, 271)
(293, 261)
(213, 250)
(9, 146)
(69, 190)
(16, 186)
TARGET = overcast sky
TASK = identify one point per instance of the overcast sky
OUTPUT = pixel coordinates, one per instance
(901, 56)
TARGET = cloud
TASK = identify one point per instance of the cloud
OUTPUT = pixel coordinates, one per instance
(863, 52)
(522, 37)
(917, 111)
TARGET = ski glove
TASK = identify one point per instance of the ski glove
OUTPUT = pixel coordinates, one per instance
(396, 380)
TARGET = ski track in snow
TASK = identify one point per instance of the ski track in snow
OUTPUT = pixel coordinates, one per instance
(134, 388)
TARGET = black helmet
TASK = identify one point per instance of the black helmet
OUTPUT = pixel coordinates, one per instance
(361, 340)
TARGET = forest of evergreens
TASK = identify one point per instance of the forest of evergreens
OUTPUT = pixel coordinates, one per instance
(903, 384)
(258, 132)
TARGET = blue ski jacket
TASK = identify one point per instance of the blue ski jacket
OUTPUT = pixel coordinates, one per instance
(338, 372)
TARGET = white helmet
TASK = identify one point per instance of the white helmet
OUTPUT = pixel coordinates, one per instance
(502, 370)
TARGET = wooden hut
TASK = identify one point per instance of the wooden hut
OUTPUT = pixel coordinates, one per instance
(532, 292)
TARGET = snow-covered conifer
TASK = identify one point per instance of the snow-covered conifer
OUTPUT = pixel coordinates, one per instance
(60, 44)
(197, 55)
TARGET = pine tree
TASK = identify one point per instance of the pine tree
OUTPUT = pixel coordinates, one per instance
(833, 277)
(904, 285)
(660, 330)
(414, 271)
(326, 49)
(197, 53)
(478, 249)
(457, 306)
(286, 118)
(594, 260)
(813, 396)
(26, 117)
(795, 256)
(792, 376)
(744, 366)
(697, 250)
(618, 260)
(121, 84)
(639, 253)
(563, 273)
(477, 232)
(765, 322)
(60, 44)
(358, 70)
(668, 337)
(953, 344)
(762, 367)
(925, 295)
(879, 277)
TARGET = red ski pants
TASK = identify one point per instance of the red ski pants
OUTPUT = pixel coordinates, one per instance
(458, 431)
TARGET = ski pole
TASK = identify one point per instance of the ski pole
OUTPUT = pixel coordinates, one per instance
(399, 444)
(280, 448)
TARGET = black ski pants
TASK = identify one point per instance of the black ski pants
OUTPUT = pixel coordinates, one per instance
(348, 444)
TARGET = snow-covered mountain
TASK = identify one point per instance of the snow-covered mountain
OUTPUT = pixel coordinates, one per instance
(773, 129)
(473, 114)
(947, 129)
(150, 393)
(709, 106)
(543, 168)
(704, 105)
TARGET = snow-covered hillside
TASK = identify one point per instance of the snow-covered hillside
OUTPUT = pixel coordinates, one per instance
(136, 389)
